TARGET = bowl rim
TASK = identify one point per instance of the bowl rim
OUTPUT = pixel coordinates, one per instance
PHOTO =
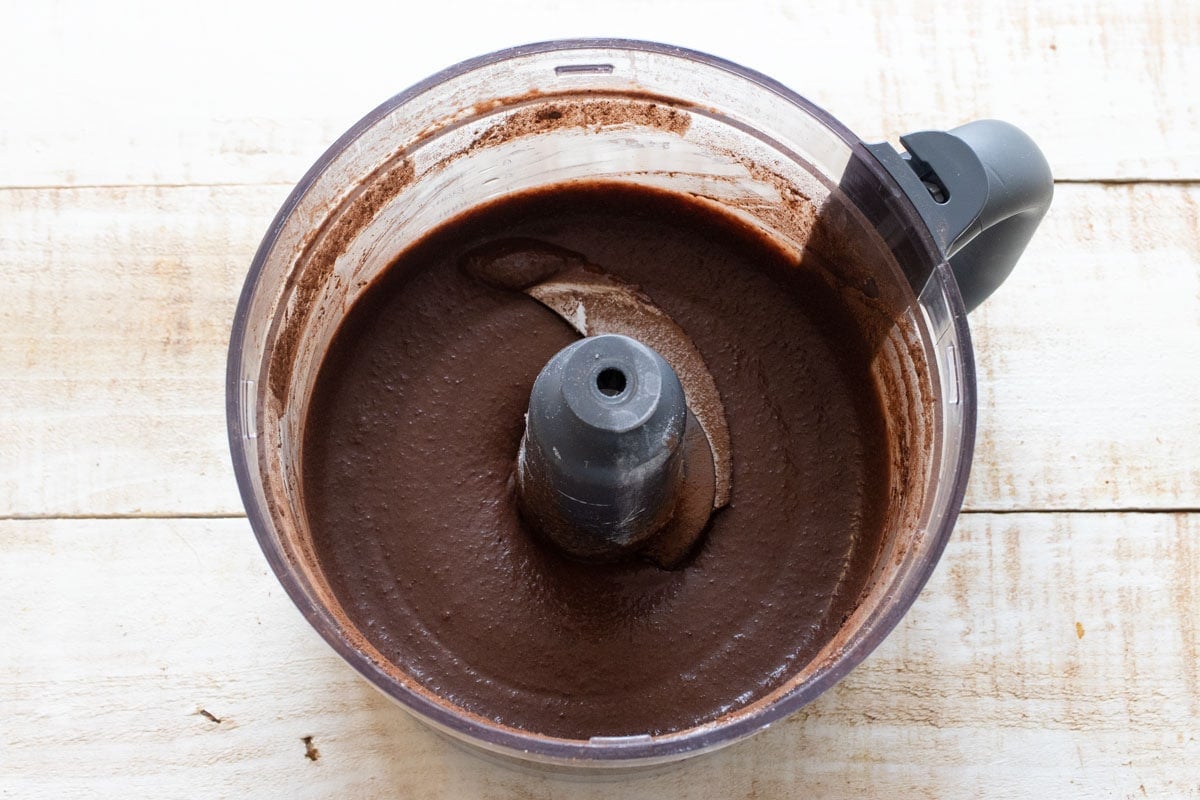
(613, 752)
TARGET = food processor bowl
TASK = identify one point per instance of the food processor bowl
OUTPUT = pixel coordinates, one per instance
(629, 113)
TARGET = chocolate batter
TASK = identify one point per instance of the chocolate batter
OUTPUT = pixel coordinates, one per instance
(411, 442)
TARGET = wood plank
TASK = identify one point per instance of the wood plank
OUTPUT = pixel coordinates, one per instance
(1049, 656)
(118, 308)
(1087, 359)
(113, 94)
(120, 301)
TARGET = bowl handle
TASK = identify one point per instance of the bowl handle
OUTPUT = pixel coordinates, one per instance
(982, 188)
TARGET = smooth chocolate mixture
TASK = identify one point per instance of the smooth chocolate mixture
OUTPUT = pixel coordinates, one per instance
(411, 443)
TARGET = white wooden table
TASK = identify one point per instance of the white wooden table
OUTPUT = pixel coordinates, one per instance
(145, 650)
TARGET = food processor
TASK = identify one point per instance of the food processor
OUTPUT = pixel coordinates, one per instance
(911, 240)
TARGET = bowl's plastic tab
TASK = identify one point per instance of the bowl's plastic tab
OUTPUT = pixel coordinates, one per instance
(982, 188)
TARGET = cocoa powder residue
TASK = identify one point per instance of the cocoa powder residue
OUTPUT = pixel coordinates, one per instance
(317, 259)
(591, 113)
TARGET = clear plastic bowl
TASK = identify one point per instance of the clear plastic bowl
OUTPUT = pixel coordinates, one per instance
(629, 112)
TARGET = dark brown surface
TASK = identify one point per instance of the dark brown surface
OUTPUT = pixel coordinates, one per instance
(411, 441)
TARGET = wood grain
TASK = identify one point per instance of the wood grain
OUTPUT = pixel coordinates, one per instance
(1051, 655)
(146, 147)
(119, 303)
(118, 311)
(235, 92)
(1087, 358)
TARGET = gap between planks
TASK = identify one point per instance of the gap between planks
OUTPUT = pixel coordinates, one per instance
(52, 187)
(1174, 181)
(118, 516)
(224, 515)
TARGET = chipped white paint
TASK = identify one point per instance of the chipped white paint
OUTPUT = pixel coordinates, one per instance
(1052, 654)
(133, 635)
(112, 384)
(1104, 85)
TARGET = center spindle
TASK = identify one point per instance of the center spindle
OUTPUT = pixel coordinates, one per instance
(601, 464)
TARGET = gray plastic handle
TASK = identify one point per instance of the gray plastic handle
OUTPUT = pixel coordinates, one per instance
(982, 189)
